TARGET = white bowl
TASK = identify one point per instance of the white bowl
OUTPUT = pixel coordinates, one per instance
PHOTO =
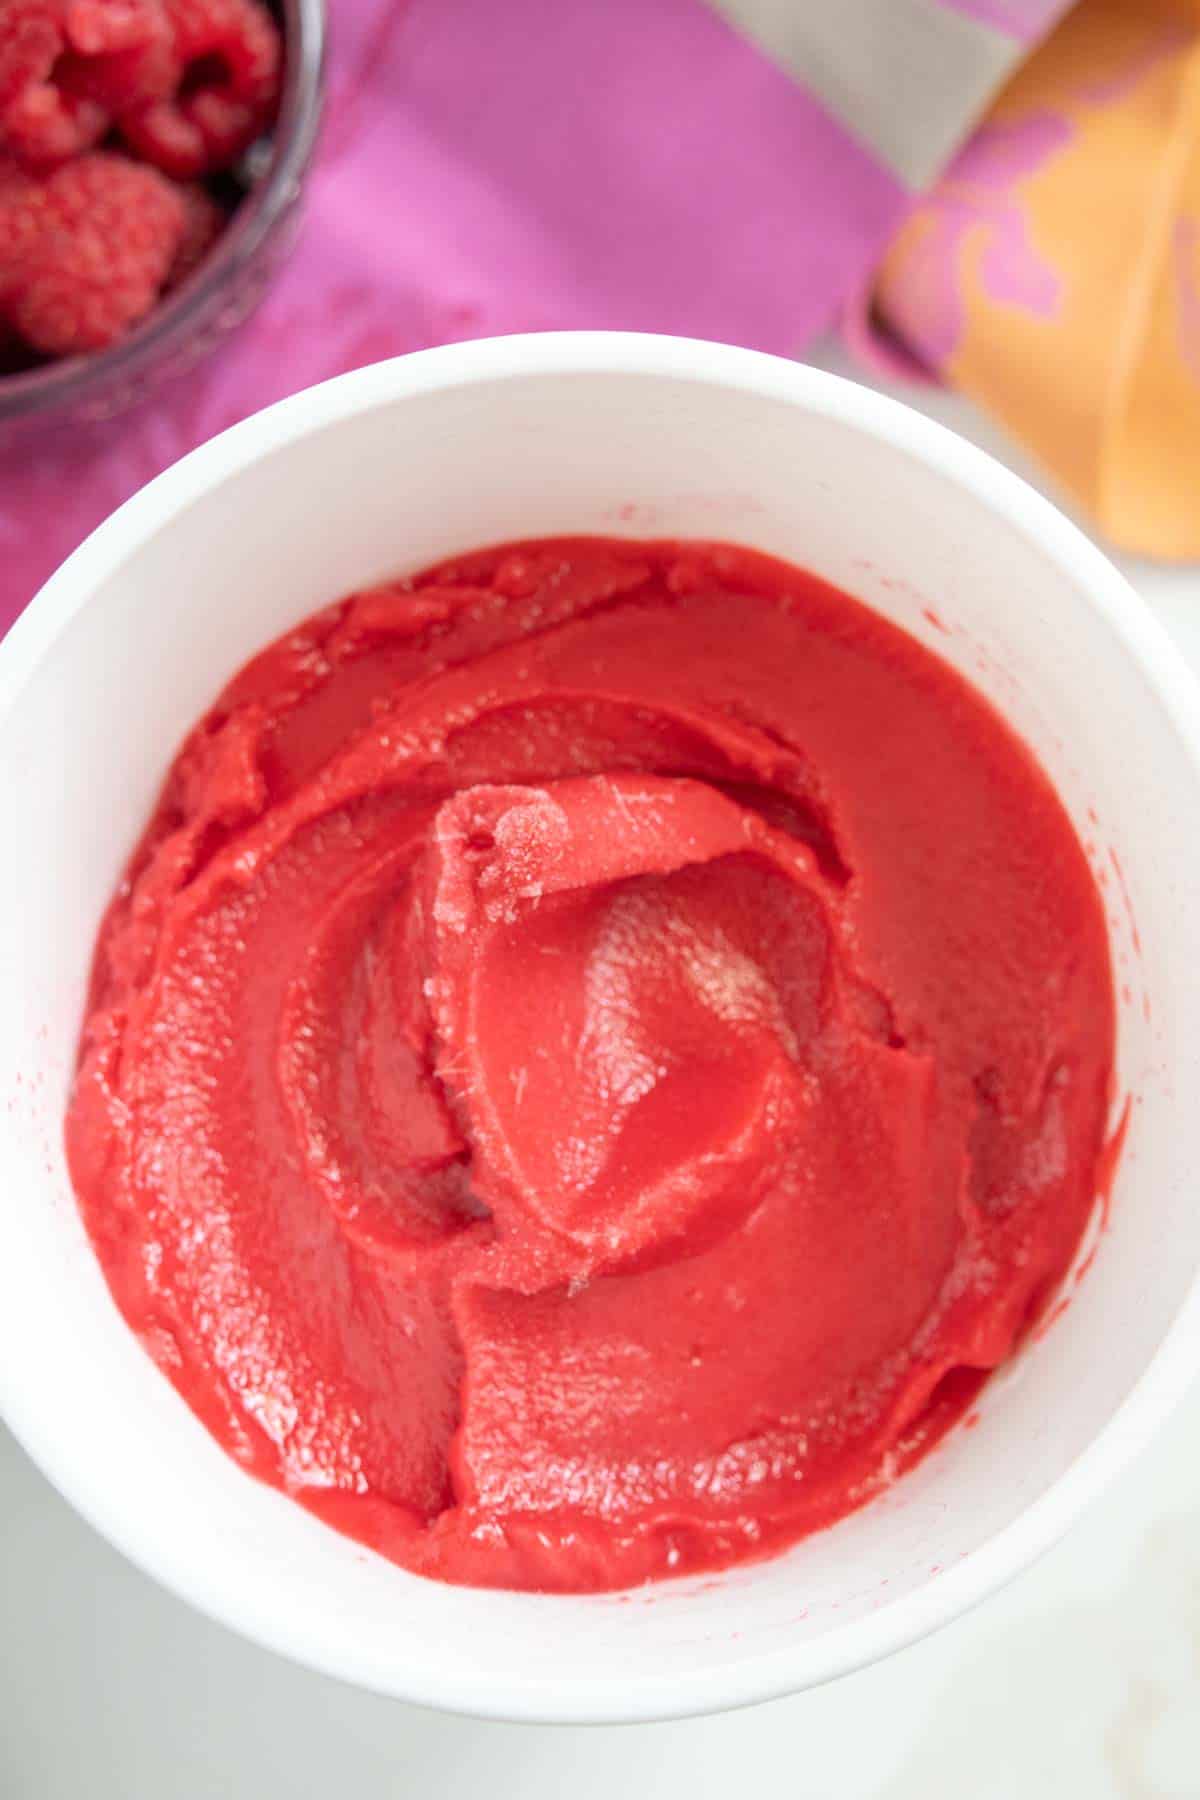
(384, 470)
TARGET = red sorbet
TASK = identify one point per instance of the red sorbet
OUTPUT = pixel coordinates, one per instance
(600, 1048)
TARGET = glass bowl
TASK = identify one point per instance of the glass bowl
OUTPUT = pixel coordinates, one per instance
(221, 293)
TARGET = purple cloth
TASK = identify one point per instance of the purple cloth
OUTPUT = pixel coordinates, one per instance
(532, 165)
(536, 165)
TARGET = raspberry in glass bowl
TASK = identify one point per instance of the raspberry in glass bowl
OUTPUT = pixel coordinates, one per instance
(152, 153)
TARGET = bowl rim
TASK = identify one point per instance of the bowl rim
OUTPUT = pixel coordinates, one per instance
(739, 1681)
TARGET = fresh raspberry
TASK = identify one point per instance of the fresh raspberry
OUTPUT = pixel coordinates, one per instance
(240, 35)
(122, 81)
(230, 55)
(90, 239)
(96, 27)
(17, 222)
(203, 223)
(14, 180)
(45, 125)
(97, 58)
(31, 39)
(122, 54)
(84, 253)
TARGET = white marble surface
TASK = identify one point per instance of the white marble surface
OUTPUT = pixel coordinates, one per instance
(1079, 1682)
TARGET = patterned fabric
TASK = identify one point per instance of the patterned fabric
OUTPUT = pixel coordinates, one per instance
(726, 168)
(1054, 271)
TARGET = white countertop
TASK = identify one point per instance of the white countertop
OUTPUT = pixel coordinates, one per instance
(1080, 1682)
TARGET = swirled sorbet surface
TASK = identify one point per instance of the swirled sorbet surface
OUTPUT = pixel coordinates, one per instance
(599, 1050)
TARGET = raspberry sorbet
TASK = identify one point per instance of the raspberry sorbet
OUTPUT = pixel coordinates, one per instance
(599, 1050)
